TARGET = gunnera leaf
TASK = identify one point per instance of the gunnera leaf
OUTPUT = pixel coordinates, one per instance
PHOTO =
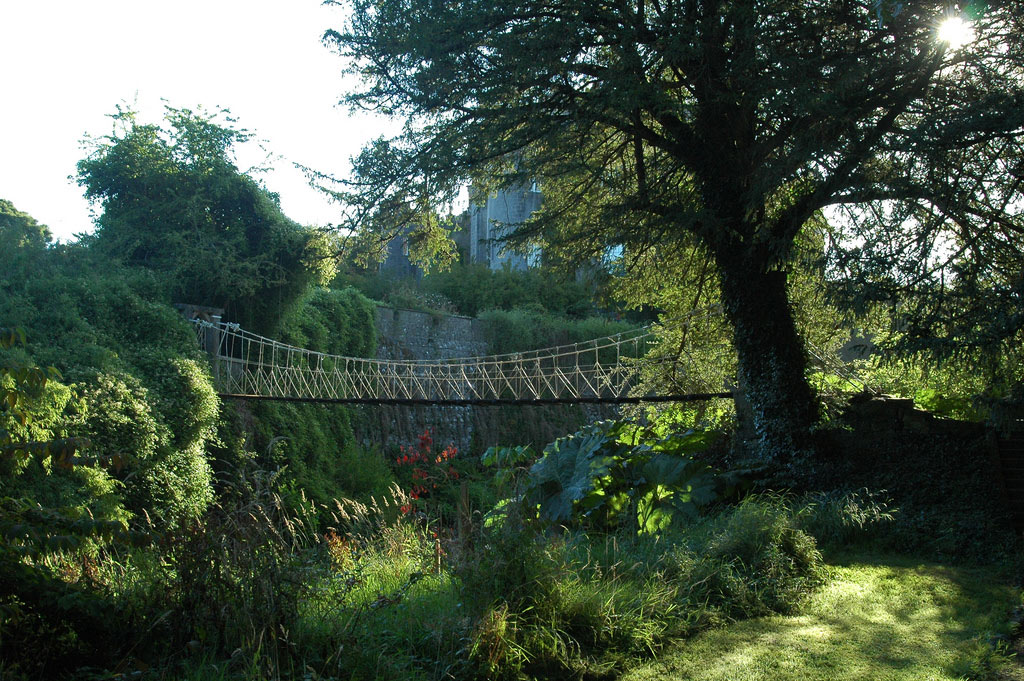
(567, 472)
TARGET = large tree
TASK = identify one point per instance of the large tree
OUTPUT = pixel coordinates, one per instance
(723, 125)
(174, 201)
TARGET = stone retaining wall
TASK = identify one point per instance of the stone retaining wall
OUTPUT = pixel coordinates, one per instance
(408, 334)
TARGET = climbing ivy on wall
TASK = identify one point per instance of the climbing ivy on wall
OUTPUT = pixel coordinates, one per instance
(314, 444)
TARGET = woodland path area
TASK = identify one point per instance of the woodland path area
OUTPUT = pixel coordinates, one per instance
(883, 619)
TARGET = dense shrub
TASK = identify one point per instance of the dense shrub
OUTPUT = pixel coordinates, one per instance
(470, 289)
(145, 394)
(313, 444)
(174, 203)
(531, 328)
(334, 321)
(50, 506)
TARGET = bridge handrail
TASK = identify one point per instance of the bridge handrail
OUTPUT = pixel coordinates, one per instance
(550, 353)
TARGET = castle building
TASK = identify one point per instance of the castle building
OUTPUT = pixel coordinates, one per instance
(396, 262)
(479, 235)
(495, 217)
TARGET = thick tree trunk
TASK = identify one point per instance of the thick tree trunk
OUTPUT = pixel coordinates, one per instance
(771, 361)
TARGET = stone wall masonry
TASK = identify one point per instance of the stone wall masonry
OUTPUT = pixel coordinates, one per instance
(408, 334)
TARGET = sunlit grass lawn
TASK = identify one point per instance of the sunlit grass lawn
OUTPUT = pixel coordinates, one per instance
(877, 620)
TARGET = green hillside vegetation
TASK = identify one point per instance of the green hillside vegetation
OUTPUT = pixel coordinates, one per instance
(470, 289)
(522, 310)
(125, 441)
(150, 530)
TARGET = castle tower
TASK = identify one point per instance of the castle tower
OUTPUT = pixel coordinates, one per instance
(496, 216)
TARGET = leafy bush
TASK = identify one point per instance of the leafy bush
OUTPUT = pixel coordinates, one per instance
(522, 329)
(309, 442)
(604, 477)
(158, 434)
(840, 518)
(334, 321)
(584, 604)
(428, 475)
(174, 202)
(49, 504)
(40, 463)
(145, 396)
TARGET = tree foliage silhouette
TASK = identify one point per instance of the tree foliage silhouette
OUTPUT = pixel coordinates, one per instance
(722, 125)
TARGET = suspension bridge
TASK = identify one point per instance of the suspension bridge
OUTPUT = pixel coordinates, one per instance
(605, 370)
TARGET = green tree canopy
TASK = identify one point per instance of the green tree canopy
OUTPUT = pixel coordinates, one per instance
(174, 201)
(18, 229)
(724, 125)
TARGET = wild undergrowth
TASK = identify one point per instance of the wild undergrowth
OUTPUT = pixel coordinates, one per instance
(512, 602)
(261, 590)
(567, 577)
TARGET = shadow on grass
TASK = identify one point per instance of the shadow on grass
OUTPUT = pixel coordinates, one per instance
(879, 618)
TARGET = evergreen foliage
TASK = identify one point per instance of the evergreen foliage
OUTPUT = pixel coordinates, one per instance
(143, 389)
(173, 201)
(313, 444)
(334, 321)
(727, 126)
(134, 385)
(145, 395)
(20, 229)
(49, 503)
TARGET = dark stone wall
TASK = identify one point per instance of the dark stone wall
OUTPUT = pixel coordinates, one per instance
(407, 334)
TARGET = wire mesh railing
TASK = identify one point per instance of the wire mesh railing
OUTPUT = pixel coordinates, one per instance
(600, 370)
(610, 369)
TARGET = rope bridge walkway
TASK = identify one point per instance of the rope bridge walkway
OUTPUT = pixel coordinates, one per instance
(604, 370)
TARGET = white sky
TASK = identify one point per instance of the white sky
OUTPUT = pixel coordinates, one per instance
(65, 64)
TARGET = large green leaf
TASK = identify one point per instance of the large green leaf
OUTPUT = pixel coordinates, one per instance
(606, 473)
(672, 484)
(652, 513)
(567, 472)
(690, 442)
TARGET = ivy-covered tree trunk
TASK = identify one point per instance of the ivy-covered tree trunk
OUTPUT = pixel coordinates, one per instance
(771, 360)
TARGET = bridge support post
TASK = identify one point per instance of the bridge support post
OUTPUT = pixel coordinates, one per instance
(212, 337)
